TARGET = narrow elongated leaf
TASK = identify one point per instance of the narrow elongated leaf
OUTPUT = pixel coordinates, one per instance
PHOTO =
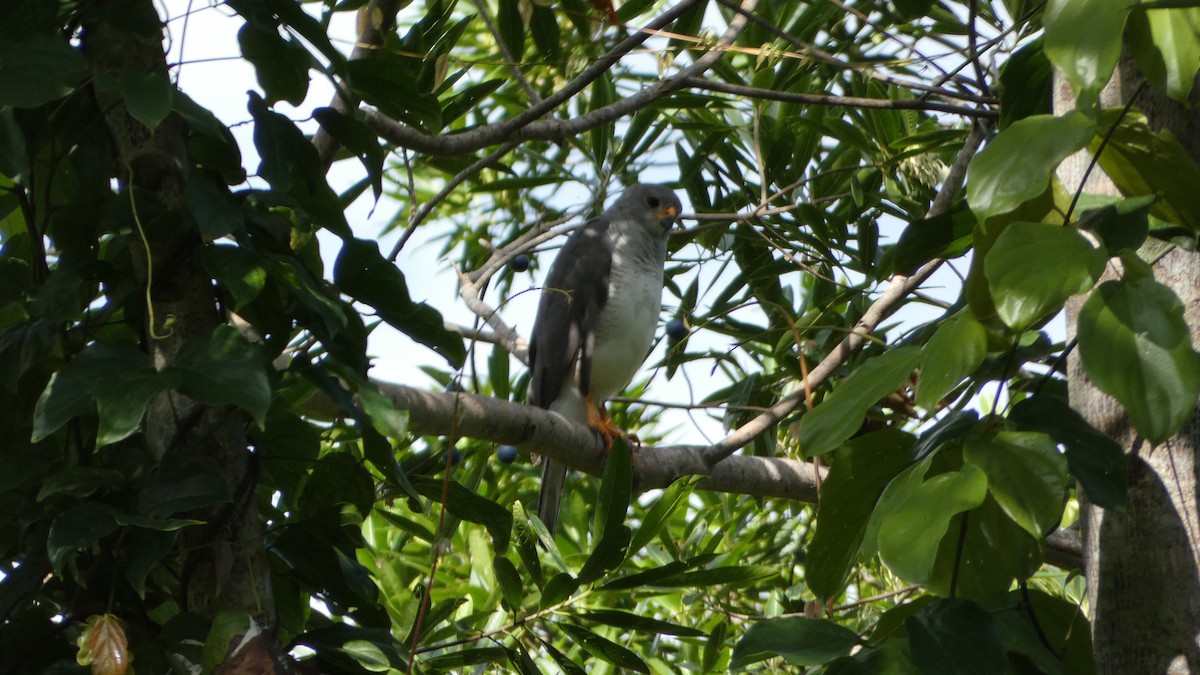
(1137, 348)
(510, 582)
(857, 476)
(843, 411)
(657, 515)
(466, 504)
(955, 637)
(1034, 267)
(1083, 40)
(616, 489)
(954, 352)
(1017, 165)
(612, 617)
(1026, 474)
(605, 649)
(799, 640)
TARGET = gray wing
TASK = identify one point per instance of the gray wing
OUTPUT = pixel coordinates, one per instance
(575, 291)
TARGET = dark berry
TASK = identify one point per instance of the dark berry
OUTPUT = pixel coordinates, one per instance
(519, 263)
(455, 456)
(676, 330)
(506, 453)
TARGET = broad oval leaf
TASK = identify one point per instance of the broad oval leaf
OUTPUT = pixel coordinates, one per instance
(1136, 347)
(799, 640)
(954, 351)
(1165, 44)
(1026, 474)
(1095, 460)
(1017, 165)
(857, 477)
(1034, 267)
(841, 414)
(955, 637)
(914, 514)
(1083, 41)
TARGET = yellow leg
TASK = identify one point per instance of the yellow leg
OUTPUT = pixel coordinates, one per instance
(599, 420)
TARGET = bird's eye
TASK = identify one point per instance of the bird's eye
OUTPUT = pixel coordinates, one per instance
(652, 202)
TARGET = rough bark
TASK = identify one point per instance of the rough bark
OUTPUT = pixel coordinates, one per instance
(227, 566)
(1143, 564)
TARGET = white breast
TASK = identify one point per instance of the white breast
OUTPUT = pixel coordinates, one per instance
(626, 327)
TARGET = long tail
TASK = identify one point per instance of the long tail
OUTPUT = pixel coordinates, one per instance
(554, 476)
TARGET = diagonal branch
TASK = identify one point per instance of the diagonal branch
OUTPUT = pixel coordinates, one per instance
(899, 288)
(523, 127)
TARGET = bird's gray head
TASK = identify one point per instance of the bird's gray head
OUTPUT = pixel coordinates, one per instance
(655, 207)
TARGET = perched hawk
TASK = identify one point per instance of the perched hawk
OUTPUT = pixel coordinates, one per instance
(596, 318)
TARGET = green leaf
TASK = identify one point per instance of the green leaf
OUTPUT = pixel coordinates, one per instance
(178, 488)
(1095, 460)
(841, 413)
(389, 82)
(1017, 165)
(913, 515)
(223, 368)
(386, 418)
(1083, 41)
(79, 481)
(1122, 224)
(237, 269)
(466, 504)
(604, 649)
(628, 621)
(799, 640)
(510, 582)
(117, 382)
(733, 574)
(946, 235)
(607, 555)
(148, 96)
(955, 637)
(616, 490)
(281, 65)
(1142, 162)
(81, 527)
(1165, 44)
(362, 273)
(215, 211)
(1026, 474)
(1136, 347)
(39, 69)
(661, 511)
(857, 476)
(954, 352)
(1026, 82)
(560, 587)
(1034, 267)
(290, 164)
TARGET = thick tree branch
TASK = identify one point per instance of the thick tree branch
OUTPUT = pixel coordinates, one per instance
(579, 447)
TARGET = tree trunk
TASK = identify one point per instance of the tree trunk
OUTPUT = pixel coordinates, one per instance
(226, 566)
(1143, 564)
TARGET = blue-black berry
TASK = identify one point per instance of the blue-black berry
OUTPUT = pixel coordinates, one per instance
(506, 454)
(455, 456)
(519, 263)
(676, 331)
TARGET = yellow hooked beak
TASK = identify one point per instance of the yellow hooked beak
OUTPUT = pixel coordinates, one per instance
(666, 216)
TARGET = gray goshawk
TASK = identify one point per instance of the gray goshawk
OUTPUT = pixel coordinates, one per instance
(597, 317)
